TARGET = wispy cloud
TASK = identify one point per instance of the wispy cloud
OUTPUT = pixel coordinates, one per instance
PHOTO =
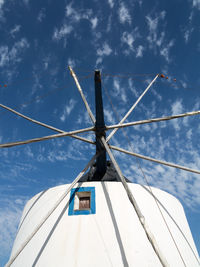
(42, 14)
(15, 30)
(76, 15)
(166, 50)
(156, 37)
(94, 22)
(111, 3)
(109, 116)
(67, 109)
(129, 38)
(13, 55)
(10, 213)
(124, 15)
(177, 107)
(71, 62)
(139, 51)
(102, 52)
(2, 2)
(63, 32)
(188, 29)
(196, 4)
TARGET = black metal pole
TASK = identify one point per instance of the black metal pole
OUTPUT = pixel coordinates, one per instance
(101, 164)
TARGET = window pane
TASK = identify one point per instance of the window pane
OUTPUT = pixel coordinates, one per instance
(84, 203)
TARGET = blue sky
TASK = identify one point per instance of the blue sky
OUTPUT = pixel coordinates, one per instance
(130, 42)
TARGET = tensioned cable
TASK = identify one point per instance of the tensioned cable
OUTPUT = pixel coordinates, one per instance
(48, 137)
(44, 125)
(133, 107)
(127, 75)
(38, 98)
(50, 212)
(82, 95)
(140, 167)
(153, 120)
(169, 164)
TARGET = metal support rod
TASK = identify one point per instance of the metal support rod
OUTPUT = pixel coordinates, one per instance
(153, 120)
(82, 95)
(45, 125)
(155, 160)
(149, 235)
(132, 108)
(24, 244)
(6, 145)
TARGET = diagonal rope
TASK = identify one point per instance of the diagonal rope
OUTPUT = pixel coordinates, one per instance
(36, 98)
(82, 95)
(132, 108)
(155, 160)
(134, 123)
(50, 212)
(44, 125)
(6, 145)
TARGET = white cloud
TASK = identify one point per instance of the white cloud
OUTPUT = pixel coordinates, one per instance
(111, 3)
(94, 22)
(77, 15)
(13, 55)
(152, 24)
(139, 51)
(165, 50)
(10, 214)
(124, 16)
(71, 153)
(41, 15)
(104, 51)
(68, 109)
(133, 88)
(156, 36)
(188, 29)
(62, 32)
(15, 30)
(128, 39)
(1, 3)
(1, 9)
(28, 152)
(71, 62)
(177, 107)
(109, 116)
(189, 134)
(160, 40)
(186, 35)
(116, 86)
(196, 3)
(4, 56)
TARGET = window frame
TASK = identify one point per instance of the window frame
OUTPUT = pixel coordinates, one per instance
(74, 194)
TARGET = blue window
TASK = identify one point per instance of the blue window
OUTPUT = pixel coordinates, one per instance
(82, 201)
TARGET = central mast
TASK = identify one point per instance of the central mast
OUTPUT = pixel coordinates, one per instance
(101, 164)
